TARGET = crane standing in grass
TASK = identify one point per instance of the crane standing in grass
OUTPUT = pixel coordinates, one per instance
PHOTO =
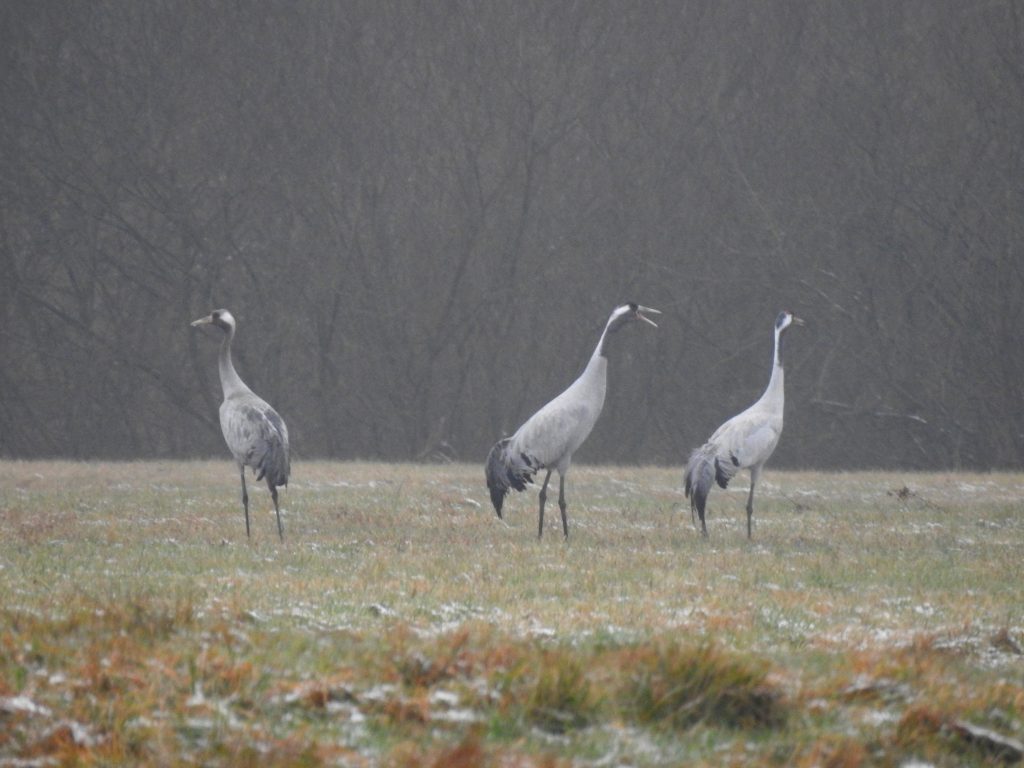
(549, 438)
(744, 442)
(256, 435)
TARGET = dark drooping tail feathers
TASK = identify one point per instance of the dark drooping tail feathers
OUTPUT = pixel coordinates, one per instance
(274, 465)
(270, 452)
(700, 476)
(506, 470)
(703, 470)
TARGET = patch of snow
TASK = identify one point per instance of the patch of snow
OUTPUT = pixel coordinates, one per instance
(378, 609)
(535, 629)
(22, 705)
(200, 723)
(381, 692)
(880, 717)
(457, 716)
(197, 699)
(80, 734)
(443, 698)
(355, 715)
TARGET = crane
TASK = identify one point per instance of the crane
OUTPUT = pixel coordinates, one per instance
(255, 434)
(549, 438)
(743, 442)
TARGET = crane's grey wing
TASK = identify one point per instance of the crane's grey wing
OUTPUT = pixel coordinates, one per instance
(556, 429)
(725, 445)
(258, 438)
(743, 442)
(757, 445)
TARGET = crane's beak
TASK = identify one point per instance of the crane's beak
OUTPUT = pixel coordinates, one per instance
(640, 316)
(203, 321)
(798, 321)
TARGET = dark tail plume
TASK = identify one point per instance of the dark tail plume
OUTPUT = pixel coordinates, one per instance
(274, 465)
(276, 468)
(270, 452)
(699, 478)
(505, 471)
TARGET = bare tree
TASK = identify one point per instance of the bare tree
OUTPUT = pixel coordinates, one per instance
(419, 211)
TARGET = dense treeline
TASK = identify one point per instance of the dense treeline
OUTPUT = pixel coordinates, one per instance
(421, 215)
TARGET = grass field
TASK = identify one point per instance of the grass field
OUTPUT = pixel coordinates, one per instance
(875, 619)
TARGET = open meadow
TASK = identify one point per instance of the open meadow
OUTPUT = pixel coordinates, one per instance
(875, 619)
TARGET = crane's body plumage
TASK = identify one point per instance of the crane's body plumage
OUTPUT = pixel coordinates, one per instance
(254, 432)
(746, 441)
(549, 438)
(256, 436)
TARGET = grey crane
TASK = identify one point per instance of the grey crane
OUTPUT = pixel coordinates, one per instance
(744, 442)
(549, 438)
(255, 434)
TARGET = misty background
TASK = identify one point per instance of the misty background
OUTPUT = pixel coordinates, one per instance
(422, 214)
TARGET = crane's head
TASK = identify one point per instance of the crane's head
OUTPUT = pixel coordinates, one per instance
(786, 319)
(620, 317)
(631, 311)
(220, 318)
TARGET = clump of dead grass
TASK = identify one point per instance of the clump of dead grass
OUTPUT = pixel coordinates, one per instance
(680, 686)
(936, 733)
(831, 751)
(562, 698)
(469, 752)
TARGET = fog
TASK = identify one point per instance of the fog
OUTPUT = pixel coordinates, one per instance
(422, 214)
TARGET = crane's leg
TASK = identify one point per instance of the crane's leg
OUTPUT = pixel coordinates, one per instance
(543, 498)
(277, 509)
(562, 505)
(755, 473)
(245, 500)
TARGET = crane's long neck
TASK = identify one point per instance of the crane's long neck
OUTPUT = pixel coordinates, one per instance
(774, 392)
(595, 375)
(230, 381)
(615, 322)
